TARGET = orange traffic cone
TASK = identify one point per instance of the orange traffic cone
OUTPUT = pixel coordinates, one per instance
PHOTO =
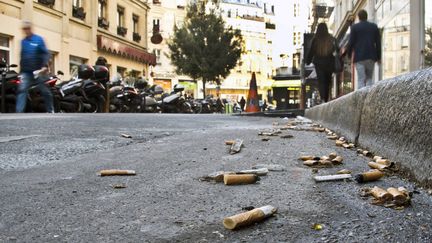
(252, 100)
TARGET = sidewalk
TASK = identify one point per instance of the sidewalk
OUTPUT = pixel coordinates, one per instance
(65, 200)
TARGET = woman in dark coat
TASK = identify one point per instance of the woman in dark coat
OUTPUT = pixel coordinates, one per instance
(321, 54)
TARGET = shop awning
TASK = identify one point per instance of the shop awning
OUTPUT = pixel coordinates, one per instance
(286, 83)
(117, 48)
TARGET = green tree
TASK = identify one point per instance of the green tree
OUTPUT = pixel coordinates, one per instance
(428, 49)
(203, 47)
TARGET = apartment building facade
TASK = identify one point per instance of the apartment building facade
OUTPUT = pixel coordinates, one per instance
(78, 31)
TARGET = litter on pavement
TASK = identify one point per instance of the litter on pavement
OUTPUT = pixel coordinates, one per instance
(396, 198)
(332, 177)
(270, 167)
(249, 218)
(236, 146)
(126, 135)
(117, 172)
(371, 175)
(240, 179)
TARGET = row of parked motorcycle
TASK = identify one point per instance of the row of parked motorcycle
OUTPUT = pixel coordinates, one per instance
(87, 92)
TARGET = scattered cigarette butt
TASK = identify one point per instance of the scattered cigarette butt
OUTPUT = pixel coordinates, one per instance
(342, 139)
(309, 157)
(332, 177)
(311, 162)
(325, 162)
(385, 162)
(375, 158)
(404, 191)
(345, 145)
(366, 153)
(337, 160)
(270, 167)
(217, 176)
(398, 196)
(126, 135)
(344, 171)
(381, 194)
(265, 139)
(324, 158)
(332, 156)
(240, 179)
(319, 129)
(332, 137)
(249, 218)
(116, 172)
(339, 143)
(236, 146)
(372, 175)
(119, 186)
(360, 151)
(377, 166)
(258, 172)
(267, 134)
(229, 142)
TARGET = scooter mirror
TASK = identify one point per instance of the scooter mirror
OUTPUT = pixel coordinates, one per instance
(13, 65)
(60, 73)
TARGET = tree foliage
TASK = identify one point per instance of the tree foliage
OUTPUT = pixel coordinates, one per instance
(204, 47)
(428, 49)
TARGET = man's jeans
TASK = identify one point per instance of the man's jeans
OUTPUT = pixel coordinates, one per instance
(365, 70)
(28, 80)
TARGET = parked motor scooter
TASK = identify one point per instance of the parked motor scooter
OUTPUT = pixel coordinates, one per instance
(149, 102)
(8, 86)
(175, 102)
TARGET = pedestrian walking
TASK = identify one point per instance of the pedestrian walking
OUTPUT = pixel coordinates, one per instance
(321, 54)
(34, 59)
(365, 42)
(242, 103)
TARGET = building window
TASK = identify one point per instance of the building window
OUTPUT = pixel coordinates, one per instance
(121, 71)
(296, 9)
(121, 30)
(136, 35)
(4, 49)
(157, 53)
(102, 14)
(78, 9)
(74, 63)
(156, 25)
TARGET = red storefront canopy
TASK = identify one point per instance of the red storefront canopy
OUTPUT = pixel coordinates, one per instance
(117, 48)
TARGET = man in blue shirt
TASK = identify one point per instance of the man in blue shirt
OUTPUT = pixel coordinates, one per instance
(365, 41)
(34, 57)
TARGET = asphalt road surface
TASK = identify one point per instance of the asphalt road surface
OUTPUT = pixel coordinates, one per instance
(50, 190)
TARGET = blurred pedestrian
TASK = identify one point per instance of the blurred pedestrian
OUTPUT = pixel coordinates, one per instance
(321, 55)
(34, 68)
(365, 42)
(242, 103)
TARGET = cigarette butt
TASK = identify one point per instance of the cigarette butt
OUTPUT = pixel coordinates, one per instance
(339, 143)
(404, 191)
(381, 194)
(345, 145)
(351, 145)
(249, 218)
(385, 162)
(229, 142)
(309, 157)
(375, 158)
(337, 160)
(311, 162)
(324, 158)
(258, 172)
(398, 196)
(377, 166)
(367, 153)
(344, 171)
(126, 135)
(372, 175)
(116, 172)
(360, 151)
(332, 177)
(319, 129)
(240, 179)
(332, 156)
(325, 162)
(332, 137)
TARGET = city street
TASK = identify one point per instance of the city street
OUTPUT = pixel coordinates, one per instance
(50, 190)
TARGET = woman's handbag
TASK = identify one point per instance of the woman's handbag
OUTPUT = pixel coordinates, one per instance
(338, 64)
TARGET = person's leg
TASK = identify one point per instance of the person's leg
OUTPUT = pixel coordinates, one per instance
(361, 74)
(369, 67)
(47, 96)
(322, 83)
(21, 101)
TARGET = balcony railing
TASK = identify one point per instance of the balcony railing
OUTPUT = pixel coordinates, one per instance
(136, 37)
(48, 3)
(78, 12)
(252, 17)
(103, 23)
(270, 26)
(122, 31)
